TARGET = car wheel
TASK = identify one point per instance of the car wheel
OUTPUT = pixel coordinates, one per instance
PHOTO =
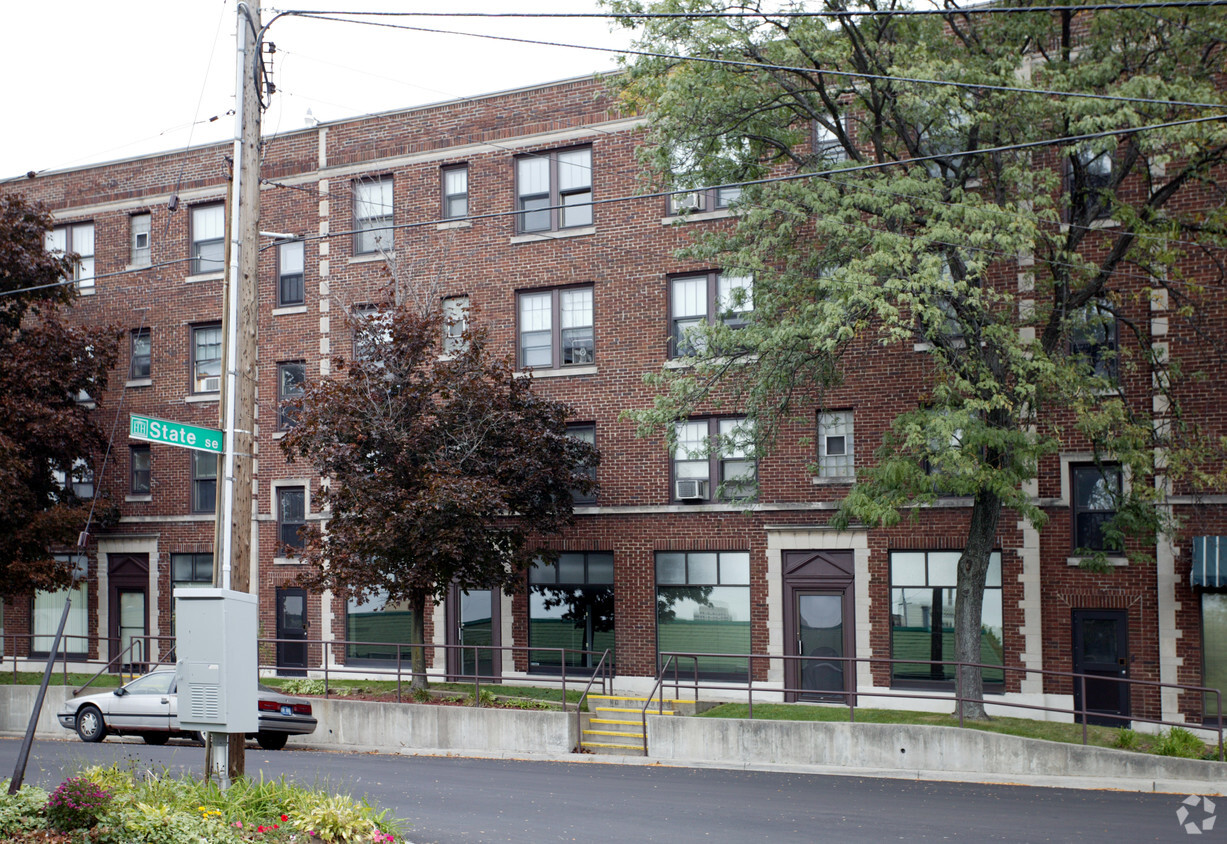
(90, 726)
(271, 741)
(156, 739)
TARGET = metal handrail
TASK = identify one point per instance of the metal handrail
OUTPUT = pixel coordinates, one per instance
(579, 706)
(670, 659)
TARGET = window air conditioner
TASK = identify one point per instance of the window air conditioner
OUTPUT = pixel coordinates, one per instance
(690, 489)
(212, 385)
(687, 202)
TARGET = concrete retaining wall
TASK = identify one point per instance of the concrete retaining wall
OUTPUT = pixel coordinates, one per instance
(929, 752)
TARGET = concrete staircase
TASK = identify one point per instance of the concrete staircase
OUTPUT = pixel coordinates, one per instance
(614, 723)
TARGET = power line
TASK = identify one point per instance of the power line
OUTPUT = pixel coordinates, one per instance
(765, 66)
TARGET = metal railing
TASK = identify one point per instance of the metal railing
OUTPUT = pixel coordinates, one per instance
(848, 665)
(139, 650)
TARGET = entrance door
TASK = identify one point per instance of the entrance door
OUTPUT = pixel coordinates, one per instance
(131, 630)
(818, 616)
(292, 632)
(1101, 649)
(473, 625)
(128, 610)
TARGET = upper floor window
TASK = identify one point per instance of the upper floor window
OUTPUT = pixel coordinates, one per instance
(204, 481)
(835, 454)
(554, 190)
(140, 477)
(372, 328)
(141, 226)
(584, 433)
(142, 355)
(1093, 339)
(703, 299)
(828, 148)
(291, 516)
(291, 262)
(79, 239)
(206, 358)
(456, 192)
(705, 199)
(1090, 175)
(208, 238)
(714, 459)
(79, 481)
(372, 215)
(455, 324)
(556, 328)
(1096, 490)
(291, 380)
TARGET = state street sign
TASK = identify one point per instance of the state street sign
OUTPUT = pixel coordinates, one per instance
(174, 433)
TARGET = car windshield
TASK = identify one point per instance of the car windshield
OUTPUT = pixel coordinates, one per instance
(151, 684)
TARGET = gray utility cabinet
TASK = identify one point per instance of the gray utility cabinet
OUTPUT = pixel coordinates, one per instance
(217, 671)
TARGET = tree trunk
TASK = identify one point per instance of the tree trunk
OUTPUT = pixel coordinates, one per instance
(969, 601)
(417, 602)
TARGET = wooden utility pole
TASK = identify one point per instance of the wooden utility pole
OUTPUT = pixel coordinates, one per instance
(238, 401)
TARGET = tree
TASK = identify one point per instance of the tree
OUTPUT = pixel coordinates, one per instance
(46, 366)
(439, 470)
(964, 219)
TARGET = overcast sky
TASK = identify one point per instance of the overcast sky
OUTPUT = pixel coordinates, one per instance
(97, 80)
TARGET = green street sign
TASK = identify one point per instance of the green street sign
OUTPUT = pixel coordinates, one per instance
(174, 433)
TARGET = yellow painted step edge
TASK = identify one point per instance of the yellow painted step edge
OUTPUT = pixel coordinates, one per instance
(614, 721)
(612, 733)
(619, 746)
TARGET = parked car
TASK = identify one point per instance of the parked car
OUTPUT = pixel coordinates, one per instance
(148, 707)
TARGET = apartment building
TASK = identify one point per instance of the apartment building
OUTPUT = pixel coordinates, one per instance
(520, 211)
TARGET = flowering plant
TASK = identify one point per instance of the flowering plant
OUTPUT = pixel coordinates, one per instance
(76, 804)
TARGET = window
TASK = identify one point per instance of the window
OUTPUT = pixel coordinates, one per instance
(1090, 178)
(291, 516)
(835, 455)
(204, 482)
(142, 355)
(703, 606)
(139, 477)
(290, 268)
(141, 226)
(372, 327)
(571, 606)
(206, 358)
(922, 617)
(208, 238)
(455, 324)
(1093, 339)
(372, 215)
(828, 148)
(1096, 490)
(78, 239)
(79, 482)
(291, 381)
(704, 199)
(190, 571)
(1214, 651)
(456, 192)
(714, 458)
(47, 607)
(375, 619)
(556, 328)
(554, 190)
(584, 433)
(696, 301)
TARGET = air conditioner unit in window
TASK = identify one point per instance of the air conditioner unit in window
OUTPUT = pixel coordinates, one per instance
(212, 385)
(687, 202)
(690, 489)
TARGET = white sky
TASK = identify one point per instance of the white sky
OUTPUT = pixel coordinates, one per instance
(97, 80)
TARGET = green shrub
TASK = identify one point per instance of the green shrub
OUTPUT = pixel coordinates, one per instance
(485, 699)
(304, 687)
(514, 703)
(23, 811)
(1179, 742)
(1126, 739)
(76, 804)
(339, 818)
(421, 695)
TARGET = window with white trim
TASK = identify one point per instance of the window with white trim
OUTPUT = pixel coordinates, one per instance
(556, 328)
(373, 215)
(208, 238)
(291, 273)
(835, 453)
(141, 227)
(702, 299)
(554, 190)
(47, 607)
(455, 192)
(206, 358)
(455, 324)
(79, 239)
(713, 459)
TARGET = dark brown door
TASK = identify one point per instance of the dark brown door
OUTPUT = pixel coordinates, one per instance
(1101, 650)
(818, 618)
(128, 611)
(292, 632)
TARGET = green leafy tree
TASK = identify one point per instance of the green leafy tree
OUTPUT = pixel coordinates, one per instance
(440, 470)
(46, 365)
(965, 220)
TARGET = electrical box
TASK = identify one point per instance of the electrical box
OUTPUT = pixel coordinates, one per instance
(217, 671)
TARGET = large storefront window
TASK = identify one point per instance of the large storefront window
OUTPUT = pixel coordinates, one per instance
(703, 607)
(375, 627)
(571, 605)
(922, 616)
(49, 606)
(1214, 650)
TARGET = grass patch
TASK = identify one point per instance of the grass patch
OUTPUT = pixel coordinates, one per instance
(33, 678)
(346, 688)
(1176, 742)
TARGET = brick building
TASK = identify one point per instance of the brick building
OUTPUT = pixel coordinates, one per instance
(589, 296)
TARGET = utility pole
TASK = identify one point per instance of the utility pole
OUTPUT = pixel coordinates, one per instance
(238, 400)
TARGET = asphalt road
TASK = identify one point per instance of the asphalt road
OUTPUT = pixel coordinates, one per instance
(450, 799)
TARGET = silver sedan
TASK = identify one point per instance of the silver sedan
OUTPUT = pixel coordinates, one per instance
(148, 707)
